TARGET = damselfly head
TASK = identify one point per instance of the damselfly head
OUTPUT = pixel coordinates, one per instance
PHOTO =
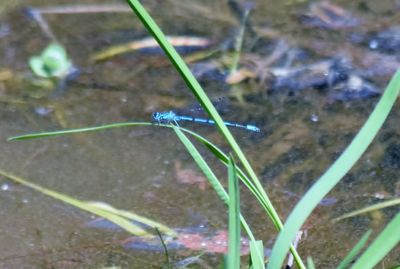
(156, 116)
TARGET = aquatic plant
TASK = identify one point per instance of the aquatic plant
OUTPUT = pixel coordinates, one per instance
(53, 62)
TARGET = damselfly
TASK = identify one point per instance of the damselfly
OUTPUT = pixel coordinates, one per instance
(170, 116)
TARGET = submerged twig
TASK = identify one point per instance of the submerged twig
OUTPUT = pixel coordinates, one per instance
(296, 241)
(77, 9)
(37, 13)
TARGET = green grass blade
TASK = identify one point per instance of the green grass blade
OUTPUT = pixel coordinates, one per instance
(385, 242)
(333, 175)
(134, 217)
(257, 248)
(354, 252)
(78, 130)
(234, 218)
(368, 209)
(202, 164)
(91, 207)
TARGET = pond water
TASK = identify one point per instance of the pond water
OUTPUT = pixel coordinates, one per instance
(148, 171)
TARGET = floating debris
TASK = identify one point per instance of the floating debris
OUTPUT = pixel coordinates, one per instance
(318, 75)
(353, 88)
(329, 16)
(151, 45)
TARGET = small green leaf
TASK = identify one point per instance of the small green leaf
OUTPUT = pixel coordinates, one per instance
(53, 62)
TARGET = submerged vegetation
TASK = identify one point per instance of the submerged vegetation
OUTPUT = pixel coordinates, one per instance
(367, 253)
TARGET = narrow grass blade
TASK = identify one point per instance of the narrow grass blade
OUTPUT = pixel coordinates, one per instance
(78, 130)
(354, 252)
(257, 261)
(134, 217)
(124, 223)
(369, 209)
(385, 242)
(335, 173)
(207, 171)
(234, 218)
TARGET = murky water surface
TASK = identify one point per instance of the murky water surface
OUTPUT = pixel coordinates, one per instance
(146, 169)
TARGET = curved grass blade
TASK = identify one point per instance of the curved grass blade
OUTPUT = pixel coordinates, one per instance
(386, 241)
(78, 130)
(201, 163)
(335, 173)
(123, 222)
(233, 259)
(369, 209)
(355, 250)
